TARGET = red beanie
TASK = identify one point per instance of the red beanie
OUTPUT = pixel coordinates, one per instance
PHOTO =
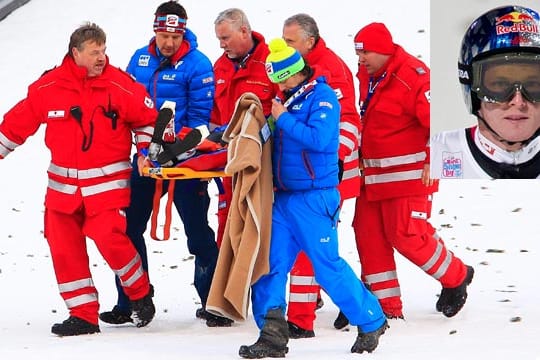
(374, 37)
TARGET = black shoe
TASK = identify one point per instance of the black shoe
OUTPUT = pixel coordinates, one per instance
(452, 300)
(261, 349)
(368, 341)
(217, 321)
(74, 326)
(213, 320)
(200, 313)
(296, 332)
(341, 321)
(116, 316)
(143, 310)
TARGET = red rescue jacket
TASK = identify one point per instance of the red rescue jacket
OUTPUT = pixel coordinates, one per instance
(340, 78)
(395, 133)
(233, 79)
(89, 124)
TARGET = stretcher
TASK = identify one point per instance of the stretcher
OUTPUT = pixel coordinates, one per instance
(179, 173)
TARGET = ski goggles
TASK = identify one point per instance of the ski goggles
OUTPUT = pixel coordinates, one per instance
(497, 79)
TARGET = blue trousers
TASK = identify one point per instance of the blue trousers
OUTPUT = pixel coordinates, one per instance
(308, 221)
(192, 202)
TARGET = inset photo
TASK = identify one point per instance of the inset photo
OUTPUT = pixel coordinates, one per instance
(485, 82)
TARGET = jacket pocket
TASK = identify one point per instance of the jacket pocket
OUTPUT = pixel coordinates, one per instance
(324, 203)
(389, 107)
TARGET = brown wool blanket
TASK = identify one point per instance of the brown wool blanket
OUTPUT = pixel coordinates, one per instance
(243, 256)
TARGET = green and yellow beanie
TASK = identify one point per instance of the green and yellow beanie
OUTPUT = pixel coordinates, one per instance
(283, 61)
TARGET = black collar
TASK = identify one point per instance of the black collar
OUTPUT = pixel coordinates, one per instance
(526, 170)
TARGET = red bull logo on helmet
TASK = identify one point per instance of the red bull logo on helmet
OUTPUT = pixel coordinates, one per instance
(516, 22)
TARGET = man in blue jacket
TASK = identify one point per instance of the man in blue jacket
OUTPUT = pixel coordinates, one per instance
(305, 212)
(172, 68)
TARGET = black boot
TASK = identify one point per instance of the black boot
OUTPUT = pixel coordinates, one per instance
(74, 326)
(116, 316)
(200, 313)
(273, 339)
(452, 300)
(143, 310)
(172, 152)
(296, 332)
(217, 321)
(341, 321)
(213, 320)
(368, 341)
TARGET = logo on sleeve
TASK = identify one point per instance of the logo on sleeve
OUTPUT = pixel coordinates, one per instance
(325, 104)
(339, 94)
(52, 114)
(427, 94)
(148, 102)
(144, 60)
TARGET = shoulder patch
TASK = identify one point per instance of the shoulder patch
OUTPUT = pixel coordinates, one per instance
(148, 102)
(143, 60)
(420, 70)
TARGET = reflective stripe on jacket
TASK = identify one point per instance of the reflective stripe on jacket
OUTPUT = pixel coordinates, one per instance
(396, 128)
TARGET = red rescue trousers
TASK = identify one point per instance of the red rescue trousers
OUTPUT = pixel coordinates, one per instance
(303, 293)
(66, 235)
(224, 203)
(401, 224)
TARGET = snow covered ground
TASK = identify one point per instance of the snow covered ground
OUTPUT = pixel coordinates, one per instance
(489, 224)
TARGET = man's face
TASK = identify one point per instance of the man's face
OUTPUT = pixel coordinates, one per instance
(168, 43)
(518, 118)
(91, 56)
(515, 120)
(295, 37)
(235, 42)
(371, 60)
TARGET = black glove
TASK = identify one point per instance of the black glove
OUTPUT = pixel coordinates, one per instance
(340, 170)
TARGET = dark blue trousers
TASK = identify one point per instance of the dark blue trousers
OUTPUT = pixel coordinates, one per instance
(192, 202)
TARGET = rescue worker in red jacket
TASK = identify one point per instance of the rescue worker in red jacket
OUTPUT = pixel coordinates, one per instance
(239, 69)
(394, 206)
(90, 109)
(301, 32)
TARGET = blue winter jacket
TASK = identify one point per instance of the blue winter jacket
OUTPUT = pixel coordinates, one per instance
(186, 78)
(306, 141)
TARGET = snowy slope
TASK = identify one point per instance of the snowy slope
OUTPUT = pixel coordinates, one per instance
(489, 224)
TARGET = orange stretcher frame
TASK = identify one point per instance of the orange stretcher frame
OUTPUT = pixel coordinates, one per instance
(172, 173)
(178, 173)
